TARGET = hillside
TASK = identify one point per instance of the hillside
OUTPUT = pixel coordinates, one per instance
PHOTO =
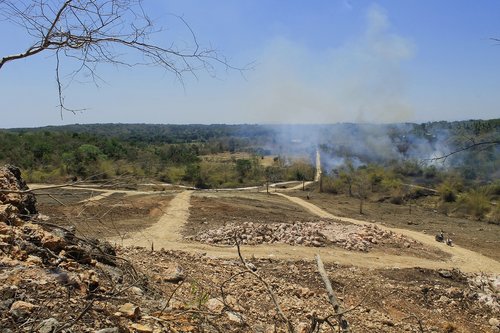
(56, 278)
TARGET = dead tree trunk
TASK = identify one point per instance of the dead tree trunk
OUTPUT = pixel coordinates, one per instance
(337, 307)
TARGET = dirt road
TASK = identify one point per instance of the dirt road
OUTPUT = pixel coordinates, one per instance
(166, 234)
(465, 259)
(167, 230)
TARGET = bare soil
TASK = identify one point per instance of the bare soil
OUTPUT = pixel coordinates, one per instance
(380, 300)
(109, 216)
(213, 210)
(478, 236)
(392, 299)
(136, 217)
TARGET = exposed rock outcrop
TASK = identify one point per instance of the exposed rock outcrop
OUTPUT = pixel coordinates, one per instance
(15, 202)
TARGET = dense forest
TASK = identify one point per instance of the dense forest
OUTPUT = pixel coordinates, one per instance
(357, 159)
(143, 150)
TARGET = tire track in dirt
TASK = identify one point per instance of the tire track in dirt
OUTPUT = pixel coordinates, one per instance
(166, 233)
(167, 230)
(464, 259)
(97, 197)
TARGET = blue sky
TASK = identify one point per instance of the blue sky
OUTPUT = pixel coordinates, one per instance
(313, 62)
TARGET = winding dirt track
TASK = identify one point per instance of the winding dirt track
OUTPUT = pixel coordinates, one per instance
(166, 233)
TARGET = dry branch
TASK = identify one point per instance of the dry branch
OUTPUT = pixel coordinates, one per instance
(471, 146)
(251, 271)
(93, 32)
(337, 307)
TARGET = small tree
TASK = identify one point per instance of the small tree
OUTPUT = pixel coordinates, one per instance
(361, 182)
(346, 174)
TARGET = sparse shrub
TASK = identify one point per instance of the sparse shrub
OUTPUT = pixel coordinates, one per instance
(41, 176)
(397, 200)
(475, 203)
(448, 190)
(493, 190)
(409, 168)
(333, 185)
(392, 185)
(447, 194)
(416, 193)
(430, 172)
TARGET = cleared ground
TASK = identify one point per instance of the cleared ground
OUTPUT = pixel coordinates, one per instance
(123, 216)
(388, 291)
(477, 236)
(108, 216)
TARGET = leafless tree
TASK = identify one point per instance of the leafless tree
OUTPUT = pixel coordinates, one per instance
(93, 32)
(473, 145)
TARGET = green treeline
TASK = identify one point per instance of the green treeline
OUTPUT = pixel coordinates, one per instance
(52, 155)
(188, 153)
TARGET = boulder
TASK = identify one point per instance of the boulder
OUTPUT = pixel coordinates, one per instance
(173, 273)
(234, 317)
(215, 305)
(130, 311)
(21, 309)
(48, 325)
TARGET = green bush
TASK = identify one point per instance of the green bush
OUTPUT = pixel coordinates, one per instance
(447, 192)
(333, 185)
(475, 203)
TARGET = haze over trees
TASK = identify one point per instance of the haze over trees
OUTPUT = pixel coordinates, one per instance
(362, 161)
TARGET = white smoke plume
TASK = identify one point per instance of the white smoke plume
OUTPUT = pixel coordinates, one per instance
(361, 81)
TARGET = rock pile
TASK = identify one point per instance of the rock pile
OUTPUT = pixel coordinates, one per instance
(486, 288)
(42, 264)
(15, 204)
(317, 234)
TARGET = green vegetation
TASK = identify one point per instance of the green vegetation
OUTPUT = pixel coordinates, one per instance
(170, 153)
(371, 162)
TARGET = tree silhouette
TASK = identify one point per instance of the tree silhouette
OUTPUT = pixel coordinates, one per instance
(94, 32)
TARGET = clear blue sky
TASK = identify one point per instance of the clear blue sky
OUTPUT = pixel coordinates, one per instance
(314, 62)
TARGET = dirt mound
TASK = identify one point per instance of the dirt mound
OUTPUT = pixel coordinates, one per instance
(317, 234)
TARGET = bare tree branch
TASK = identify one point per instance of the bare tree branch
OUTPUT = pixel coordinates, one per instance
(470, 146)
(251, 271)
(92, 32)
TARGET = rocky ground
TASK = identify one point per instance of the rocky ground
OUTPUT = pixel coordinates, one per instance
(349, 237)
(52, 280)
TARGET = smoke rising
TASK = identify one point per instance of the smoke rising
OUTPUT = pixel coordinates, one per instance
(360, 81)
(361, 144)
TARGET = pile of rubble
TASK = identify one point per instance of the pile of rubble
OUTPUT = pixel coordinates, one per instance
(42, 264)
(486, 288)
(16, 204)
(317, 234)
